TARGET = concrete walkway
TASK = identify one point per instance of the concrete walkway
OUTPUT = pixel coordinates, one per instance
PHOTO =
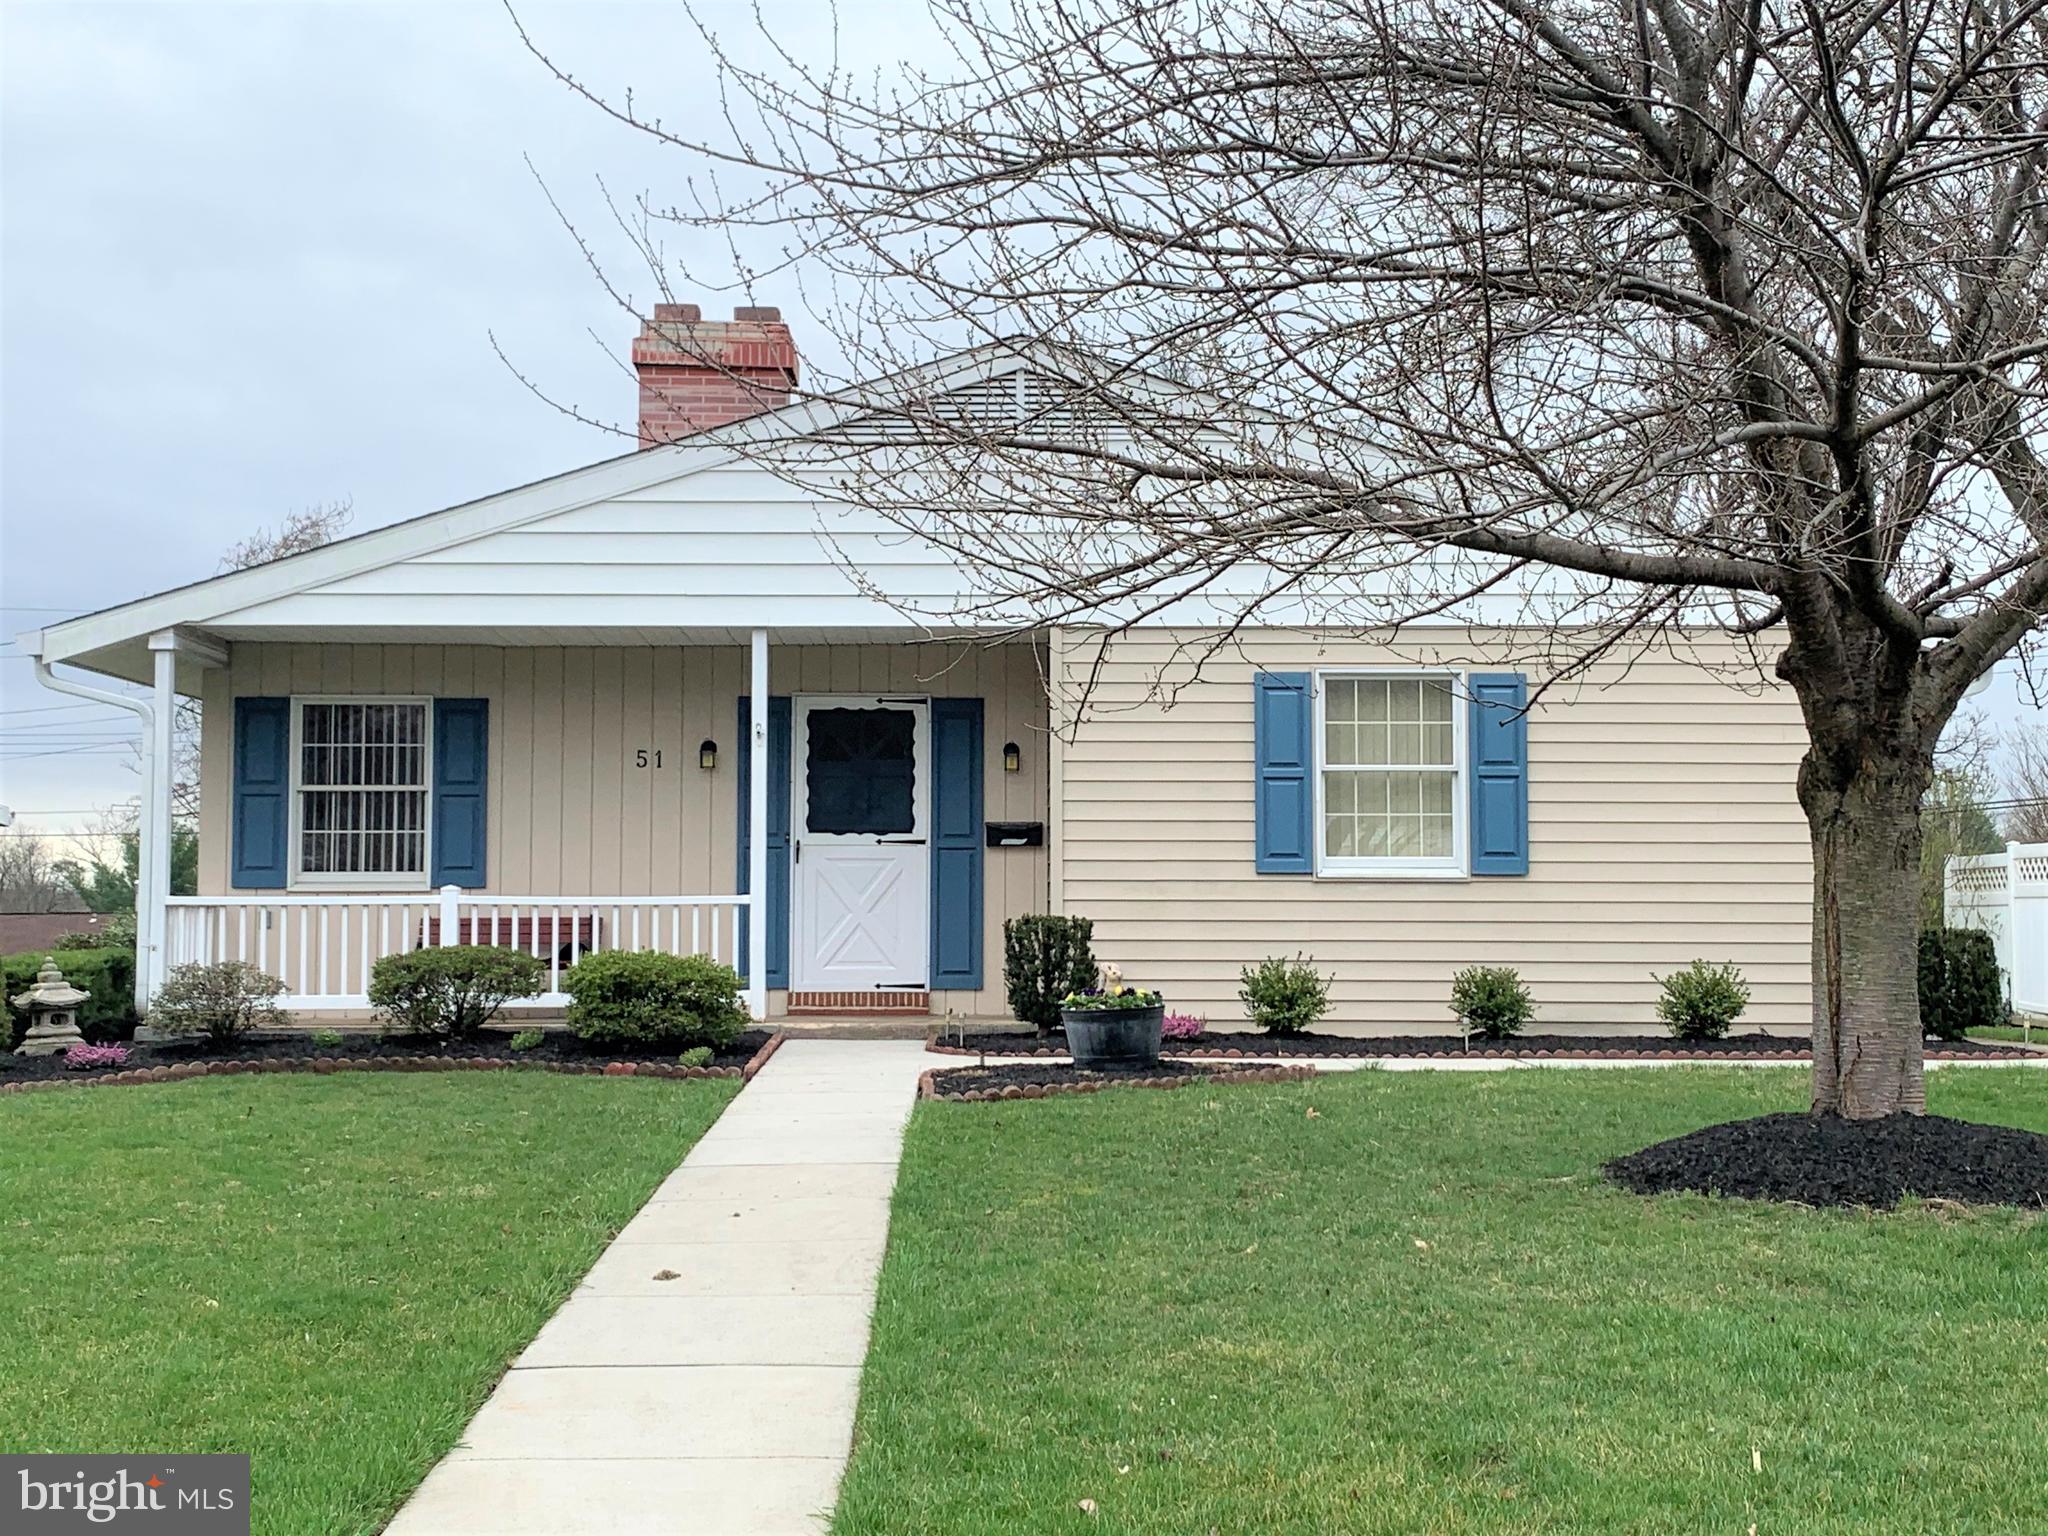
(701, 1381)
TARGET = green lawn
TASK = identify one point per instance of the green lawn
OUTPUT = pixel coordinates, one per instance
(328, 1273)
(2037, 1035)
(1420, 1310)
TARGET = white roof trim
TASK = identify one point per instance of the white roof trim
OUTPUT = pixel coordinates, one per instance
(196, 603)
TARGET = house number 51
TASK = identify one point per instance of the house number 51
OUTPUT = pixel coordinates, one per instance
(640, 758)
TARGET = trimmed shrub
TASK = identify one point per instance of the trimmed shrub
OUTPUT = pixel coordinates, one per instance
(1181, 1026)
(1046, 958)
(326, 1039)
(221, 1001)
(526, 1040)
(696, 1056)
(452, 989)
(115, 931)
(1960, 987)
(1701, 1001)
(1490, 1000)
(1284, 997)
(108, 974)
(645, 998)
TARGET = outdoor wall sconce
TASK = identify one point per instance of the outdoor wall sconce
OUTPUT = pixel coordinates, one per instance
(1012, 758)
(707, 755)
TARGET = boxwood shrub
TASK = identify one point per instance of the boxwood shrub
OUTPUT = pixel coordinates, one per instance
(108, 974)
(1491, 1000)
(1960, 988)
(621, 997)
(452, 989)
(1044, 959)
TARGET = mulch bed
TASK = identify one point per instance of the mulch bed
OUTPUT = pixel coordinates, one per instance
(558, 1052)
(1227, 1046)
(1826, 1160)
(1038, 1080)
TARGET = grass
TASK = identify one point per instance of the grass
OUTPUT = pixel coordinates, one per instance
(2037, 1035)
(1419, 1309)
(328, 1273)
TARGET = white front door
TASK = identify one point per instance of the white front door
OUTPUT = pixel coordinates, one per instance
(860, 823)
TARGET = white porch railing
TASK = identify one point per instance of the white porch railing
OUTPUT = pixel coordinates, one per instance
(323, 947)
(2006, 895)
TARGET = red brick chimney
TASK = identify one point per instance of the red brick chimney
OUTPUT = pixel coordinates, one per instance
(696, 373)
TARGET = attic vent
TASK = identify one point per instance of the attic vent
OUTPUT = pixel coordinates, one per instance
(1023, 402)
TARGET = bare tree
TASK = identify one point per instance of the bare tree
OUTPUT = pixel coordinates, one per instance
(1615, 317)
(294, 535)
(29, 878)
(2026, 785)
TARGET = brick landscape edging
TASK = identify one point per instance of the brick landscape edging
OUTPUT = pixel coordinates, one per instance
(2003, 1052)
(927, 1089)
(327, 1066)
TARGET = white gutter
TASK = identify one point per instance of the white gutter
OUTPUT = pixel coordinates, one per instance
(147, 915)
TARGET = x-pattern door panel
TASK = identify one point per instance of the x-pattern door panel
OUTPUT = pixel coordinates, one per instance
(860, 855)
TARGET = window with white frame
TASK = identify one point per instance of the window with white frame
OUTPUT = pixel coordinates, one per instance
(1390, 767)
(360, 791)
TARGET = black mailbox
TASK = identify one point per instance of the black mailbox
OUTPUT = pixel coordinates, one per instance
(1016, 834)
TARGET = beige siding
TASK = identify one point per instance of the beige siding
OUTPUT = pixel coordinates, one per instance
(1663, 826)
(569, 813)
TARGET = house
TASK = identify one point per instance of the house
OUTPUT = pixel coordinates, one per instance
(676, 700)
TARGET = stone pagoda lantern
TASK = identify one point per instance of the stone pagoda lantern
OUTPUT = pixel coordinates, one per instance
(52, 1009)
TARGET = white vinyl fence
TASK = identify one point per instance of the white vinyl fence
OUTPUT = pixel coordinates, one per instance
(322, 947)
(2006, 895)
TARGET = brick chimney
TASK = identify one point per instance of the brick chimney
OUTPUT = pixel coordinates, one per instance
(696, 374)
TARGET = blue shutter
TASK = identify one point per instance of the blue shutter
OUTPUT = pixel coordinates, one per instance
(262, 794)
(462, 764)
(1283, 750)
(956, 844)
(1500, 773)
(778, 832)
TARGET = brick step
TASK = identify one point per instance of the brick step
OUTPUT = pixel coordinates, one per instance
(870, 1004)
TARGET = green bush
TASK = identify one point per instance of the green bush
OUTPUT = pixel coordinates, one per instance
(1960, 987)
(108, 974)
(695, 1056)
(326, 1039)
(1044, 959)
(644, 998)
(526, 1040)
(1490, 1000)
(1284, 997)
(115, 931)
(452, 989)
(222, 1001)
(1701, 1001)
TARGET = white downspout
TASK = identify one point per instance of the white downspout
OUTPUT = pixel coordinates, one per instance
(757, 831)
(147, 910)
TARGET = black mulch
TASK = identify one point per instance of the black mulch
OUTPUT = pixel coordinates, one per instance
(1754, 1046)
(954, 1082)
(556, 1048)
(1827, 1160)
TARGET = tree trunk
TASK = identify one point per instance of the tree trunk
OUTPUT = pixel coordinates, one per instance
(1867, 1055)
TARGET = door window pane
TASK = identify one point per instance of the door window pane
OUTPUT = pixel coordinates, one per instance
(859, 772)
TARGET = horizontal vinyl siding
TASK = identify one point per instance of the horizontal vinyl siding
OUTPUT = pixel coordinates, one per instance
(1663, 827)
(569, 814)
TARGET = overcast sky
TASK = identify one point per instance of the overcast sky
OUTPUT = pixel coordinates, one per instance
(251, 260)
(253, 257)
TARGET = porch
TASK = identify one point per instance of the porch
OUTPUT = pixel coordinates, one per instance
(571, 799)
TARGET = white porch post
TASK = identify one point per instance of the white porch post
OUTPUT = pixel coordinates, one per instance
(757, 831)
(153, 864)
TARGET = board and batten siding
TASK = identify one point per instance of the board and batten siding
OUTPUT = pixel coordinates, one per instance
(1663, 827)
(568, 812)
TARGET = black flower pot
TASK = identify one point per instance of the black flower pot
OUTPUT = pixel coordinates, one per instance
(1114, 1037)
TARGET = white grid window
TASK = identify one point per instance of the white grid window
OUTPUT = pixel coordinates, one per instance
(361, 791)
(1390, 773)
